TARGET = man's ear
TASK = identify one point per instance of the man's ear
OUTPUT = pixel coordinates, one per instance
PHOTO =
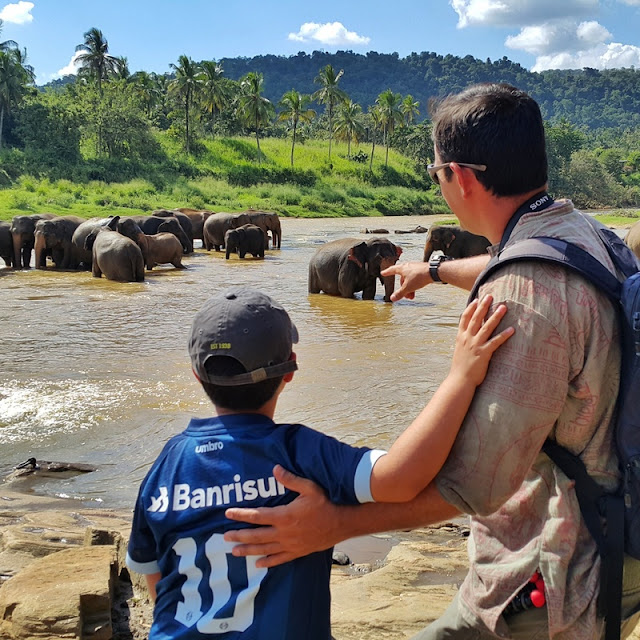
(465, 178)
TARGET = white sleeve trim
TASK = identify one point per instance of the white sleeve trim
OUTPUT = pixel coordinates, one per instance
(362, 479)
(145, 568)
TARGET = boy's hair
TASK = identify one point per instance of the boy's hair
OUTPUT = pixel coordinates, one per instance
(496, 125)
(246, 397)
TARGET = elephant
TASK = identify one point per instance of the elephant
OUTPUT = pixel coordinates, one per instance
(198, 217)
(633, 238)
(418, 229)
(183, 219)
(22, 230)
(115, 256)
(55, 237)
(157, 224)
(248, 238)
(454, 242)
(160, 248)
(218, 224)
(267, 221)
(6, 243)
(343, 267)
(80, 235)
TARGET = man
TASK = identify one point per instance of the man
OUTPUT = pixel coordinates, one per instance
(557, 377)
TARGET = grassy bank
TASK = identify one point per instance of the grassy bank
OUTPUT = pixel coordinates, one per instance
(225, 176)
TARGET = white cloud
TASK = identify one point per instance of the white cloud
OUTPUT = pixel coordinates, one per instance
(70, 69)
(633, 3)
(517, 12)
(19, 13)
(329, 33)
(604, 56)
(558, 36)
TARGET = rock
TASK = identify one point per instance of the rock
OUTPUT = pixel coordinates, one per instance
(340, 558)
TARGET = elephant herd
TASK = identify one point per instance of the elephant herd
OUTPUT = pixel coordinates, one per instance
(120, 248)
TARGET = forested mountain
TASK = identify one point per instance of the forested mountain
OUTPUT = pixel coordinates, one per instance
(588, 97)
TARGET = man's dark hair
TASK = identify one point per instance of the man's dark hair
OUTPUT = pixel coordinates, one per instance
(245, 397)
(496, 125)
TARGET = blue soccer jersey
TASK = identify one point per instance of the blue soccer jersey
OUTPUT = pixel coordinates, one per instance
(179, 522)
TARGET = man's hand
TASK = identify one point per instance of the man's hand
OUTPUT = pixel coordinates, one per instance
(413, 276)
(290, 531)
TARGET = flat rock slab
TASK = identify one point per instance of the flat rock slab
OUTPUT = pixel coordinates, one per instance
(66, 594)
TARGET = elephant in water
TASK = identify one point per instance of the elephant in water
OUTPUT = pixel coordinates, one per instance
(170, 224)
(454, 242)
(267, 221)
(114, 255)
(217, 225)
(23, 233)
(633, 239)
(54, 237)
(80, 236)
(246, 239)
(343, 267)
(6, 243)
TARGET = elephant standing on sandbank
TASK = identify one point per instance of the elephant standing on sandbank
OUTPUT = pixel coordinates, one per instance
(23, 233)
(54, 237)
(633, 239)
(344, 267)
(454, 242)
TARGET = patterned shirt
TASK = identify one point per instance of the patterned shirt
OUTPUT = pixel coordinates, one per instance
(557, 376)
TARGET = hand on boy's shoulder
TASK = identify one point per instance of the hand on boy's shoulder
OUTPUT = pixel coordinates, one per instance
(287, 532)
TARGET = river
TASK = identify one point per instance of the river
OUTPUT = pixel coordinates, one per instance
(98, 372)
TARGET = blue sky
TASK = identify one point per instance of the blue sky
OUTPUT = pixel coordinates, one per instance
(539, 34)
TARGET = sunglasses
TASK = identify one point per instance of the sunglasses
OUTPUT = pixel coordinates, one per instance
(432, 169)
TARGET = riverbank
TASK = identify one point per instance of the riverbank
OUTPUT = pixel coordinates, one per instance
(62, 575)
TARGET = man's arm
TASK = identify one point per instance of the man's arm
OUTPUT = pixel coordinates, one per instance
(312, 523)
(460, 273)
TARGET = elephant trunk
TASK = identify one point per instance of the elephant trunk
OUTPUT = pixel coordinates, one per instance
(17, 252)
(41, 251)
(389, 283)
(428, 250)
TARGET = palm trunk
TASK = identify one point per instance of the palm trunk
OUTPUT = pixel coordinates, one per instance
(386, 142)
(330, 129)
(186, 123)
(373, 148)
(258, 142)
(293, 144)
(1, 123)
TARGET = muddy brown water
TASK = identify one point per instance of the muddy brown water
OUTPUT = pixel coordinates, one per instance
(97, 372)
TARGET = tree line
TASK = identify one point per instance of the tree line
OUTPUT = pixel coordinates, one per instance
(112, 116)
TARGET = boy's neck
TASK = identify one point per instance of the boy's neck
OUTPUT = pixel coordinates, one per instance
(268, 409)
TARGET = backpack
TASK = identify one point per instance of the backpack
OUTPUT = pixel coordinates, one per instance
(612, 519)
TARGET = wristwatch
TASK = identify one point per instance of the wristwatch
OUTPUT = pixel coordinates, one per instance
(434, 263)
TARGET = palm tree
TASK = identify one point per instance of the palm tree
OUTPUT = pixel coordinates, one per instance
(329, 94)
(253, 107)
(94, 57)
(13, 83)
(7, 44)
(187, 85)
(376, 120)
(121, 68)
(349, 124)
(389, 104)
(409, 109)
(147, 90)
(215, 91)
(294, 109)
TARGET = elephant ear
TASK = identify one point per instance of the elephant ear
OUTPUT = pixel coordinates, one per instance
(448, 237)
(398, 250)
(113, 223)
(358, 254)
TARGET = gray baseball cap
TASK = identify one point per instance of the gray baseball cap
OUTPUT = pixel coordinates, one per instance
(247, 325)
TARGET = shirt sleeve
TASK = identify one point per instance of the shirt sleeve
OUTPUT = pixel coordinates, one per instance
(141, 551)
(344, 471)
(520, 400)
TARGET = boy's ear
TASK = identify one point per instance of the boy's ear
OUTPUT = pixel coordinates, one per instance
(288, 377)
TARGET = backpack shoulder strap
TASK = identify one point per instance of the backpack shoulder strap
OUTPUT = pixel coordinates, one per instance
(554, 250)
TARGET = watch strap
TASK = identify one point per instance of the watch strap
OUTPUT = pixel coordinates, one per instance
(434, 263)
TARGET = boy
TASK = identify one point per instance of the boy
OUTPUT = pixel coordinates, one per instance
(241, 352)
